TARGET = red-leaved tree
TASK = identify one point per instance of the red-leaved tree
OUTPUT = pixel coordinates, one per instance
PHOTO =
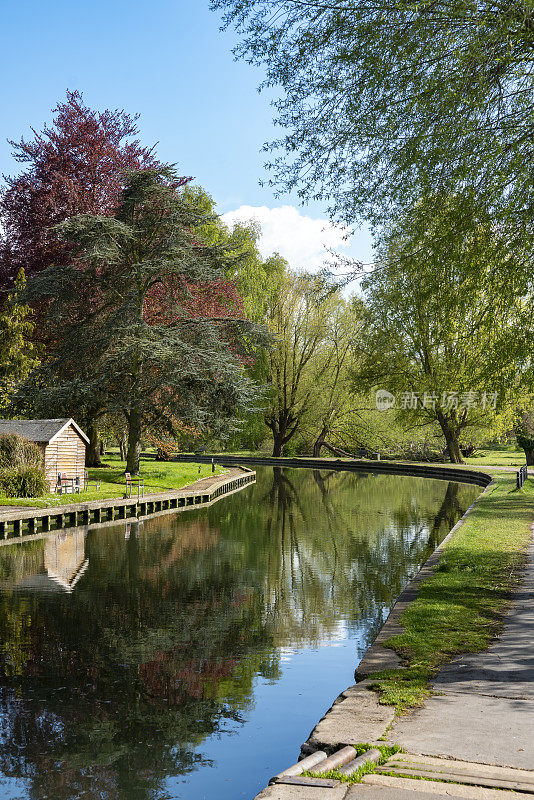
(73, 166)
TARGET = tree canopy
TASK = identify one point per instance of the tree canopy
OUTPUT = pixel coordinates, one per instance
(152, 327)
(18, 355)
(73, 166)
(382, 103)
(443, 330)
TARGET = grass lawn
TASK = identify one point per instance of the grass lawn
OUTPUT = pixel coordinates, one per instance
(506, 455)
(461, 607)
(159, 476)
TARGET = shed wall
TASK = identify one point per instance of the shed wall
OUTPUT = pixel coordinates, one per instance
(65, 454)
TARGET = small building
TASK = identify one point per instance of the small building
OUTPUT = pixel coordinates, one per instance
(62, 441)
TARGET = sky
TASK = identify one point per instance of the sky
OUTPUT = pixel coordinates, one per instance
(168, 61)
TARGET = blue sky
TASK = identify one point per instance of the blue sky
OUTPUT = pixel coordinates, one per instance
(168, 61)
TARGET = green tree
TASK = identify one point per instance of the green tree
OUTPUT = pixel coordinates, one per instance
(17, 353)
(157, 331)
(441, 321)
(333, 409)
(300, 361)
(383, 103)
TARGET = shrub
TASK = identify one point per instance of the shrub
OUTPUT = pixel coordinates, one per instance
(15, 451)
(165, 451)
(21, 468)
(22, 482)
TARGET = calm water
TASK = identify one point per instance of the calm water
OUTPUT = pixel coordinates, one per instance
(188, 657)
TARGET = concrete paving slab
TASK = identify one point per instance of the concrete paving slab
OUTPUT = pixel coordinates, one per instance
(470, 727)
(357, 717)
(287, 792)
(468, 767)
(383, 787)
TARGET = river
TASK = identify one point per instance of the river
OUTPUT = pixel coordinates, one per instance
(188, 656)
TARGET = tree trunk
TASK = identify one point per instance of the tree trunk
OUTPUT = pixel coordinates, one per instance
(134, 443)
(453, 448)
(283, 428)
(451, 437)
(92, 454)
(529, 455)
(122, 446)
(278, 445)
(319, 442)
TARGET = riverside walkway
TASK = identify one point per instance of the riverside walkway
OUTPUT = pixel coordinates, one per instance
(16, 521)
(473, 739)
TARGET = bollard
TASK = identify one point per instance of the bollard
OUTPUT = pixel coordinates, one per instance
(297, 769)
(336, 760)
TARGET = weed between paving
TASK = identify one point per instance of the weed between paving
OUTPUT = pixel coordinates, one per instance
(368, 767)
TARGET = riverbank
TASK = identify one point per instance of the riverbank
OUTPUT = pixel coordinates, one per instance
(456, 606)
(15, 522)
(158, 476)
(461, 606)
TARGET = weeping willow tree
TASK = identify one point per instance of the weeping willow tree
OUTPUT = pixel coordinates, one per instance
(380, 103)
(448, 331)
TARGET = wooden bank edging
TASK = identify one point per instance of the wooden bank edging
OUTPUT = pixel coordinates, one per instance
(42, 520)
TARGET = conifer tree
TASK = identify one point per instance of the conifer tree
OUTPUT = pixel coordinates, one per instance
(154, 329)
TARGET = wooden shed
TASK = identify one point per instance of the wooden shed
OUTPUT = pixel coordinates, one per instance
(62, 441)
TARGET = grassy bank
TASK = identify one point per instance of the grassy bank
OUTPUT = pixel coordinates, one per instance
(506, 455)
(159, 476)
(461, 607)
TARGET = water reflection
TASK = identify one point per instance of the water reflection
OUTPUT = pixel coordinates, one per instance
(55, 565)
(169, 646)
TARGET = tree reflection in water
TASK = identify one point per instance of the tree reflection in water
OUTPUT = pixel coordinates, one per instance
(113, 686)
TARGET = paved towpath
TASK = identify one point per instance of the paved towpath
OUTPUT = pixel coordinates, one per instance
(485, 707)
(480, 722)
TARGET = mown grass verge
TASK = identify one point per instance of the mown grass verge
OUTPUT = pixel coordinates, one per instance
(461, 607)
(159, 476)
(386, 751)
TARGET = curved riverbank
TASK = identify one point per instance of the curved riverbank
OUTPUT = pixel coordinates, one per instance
(456, 604)
(442, 472)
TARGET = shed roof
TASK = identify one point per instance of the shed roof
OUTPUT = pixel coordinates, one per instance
(39, 430)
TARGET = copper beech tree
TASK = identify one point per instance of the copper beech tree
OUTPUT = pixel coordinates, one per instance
(73, 166)
(153, 329)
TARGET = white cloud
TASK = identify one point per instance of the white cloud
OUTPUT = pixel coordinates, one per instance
(302, 240)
